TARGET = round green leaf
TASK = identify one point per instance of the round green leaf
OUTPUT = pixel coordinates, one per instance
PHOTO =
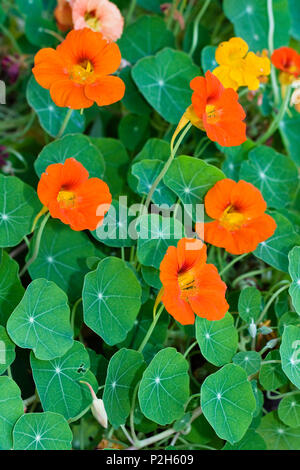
(77, 146)
(151, 276)
(290, 353)
(51, 116)
(133, 100)
(250, 20)
(155, 235)
(145, 37)
(11, 289)
(288, 318)
(249, 360)
(57, 381)
(11, 408)
(259, 398)
(42, 431)
(234, 158)
(228, 402)
(27, 6)
(289, 129)
(146, 172)
(277, 435)
(41, 321)
(274, 251)
(164, 82)
(164, 388)
(62, 258)
(111, 300)
(289, 410)
(208, 61)
(7, 351)
(133, 130)
(217, 339)
(124, 370)
(271, 376)
(294, 270)
(36, 30)
(249, 304)
(19, 205)
(274, 174)
(190, 179)
(294, 7)
(250, 441)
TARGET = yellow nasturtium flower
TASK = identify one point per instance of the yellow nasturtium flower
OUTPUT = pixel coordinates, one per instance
(238, 67)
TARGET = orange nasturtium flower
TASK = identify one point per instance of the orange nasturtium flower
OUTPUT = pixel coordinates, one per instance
(190, 286)
(287, 60)
(78, 72)
(71, 196)
(240, 222)
(238, 67)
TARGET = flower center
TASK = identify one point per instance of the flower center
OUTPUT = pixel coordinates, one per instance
(232, 219)
(83, 72)
(91, 20)
(212, 115)
(187, 285)
(66, 199)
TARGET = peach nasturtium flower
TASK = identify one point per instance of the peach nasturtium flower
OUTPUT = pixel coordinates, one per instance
(98, 15)
(238, 67)
(190, 286)
(71, 196)
(78, 72)
(240, 222)
(287, 60)
(216, 110)
(63, 15)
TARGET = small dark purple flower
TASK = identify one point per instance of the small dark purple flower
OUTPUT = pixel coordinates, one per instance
(3, 156)
(11, 67)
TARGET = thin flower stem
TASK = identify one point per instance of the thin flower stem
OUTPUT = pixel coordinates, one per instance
(235, 260)
(150, 331)
(196, 27)
(275, 123)
(269, 303)
(190, 348)
(65, 123)
(271, 49)
(127, 435)
(130, 11)
(53, 33)
(12, 40)
(131, 418)
(249, 274)
(37, 245)
(167, 165)
(73, 313)
(275, 361)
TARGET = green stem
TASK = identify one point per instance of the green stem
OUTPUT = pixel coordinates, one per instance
(37, 245)
(190, 348)
(196, 27)
(65, 123)
(269, 303)
(73, 313)
(130, 11)
(123, 253)
(151, 328)
(249, 274)
(167, 165)
(8, 34)
(235, 260)
(271, 49)
(131, 418)
(275, 123)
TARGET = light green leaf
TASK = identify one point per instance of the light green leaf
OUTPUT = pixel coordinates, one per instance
(228, 402)
(76, 146)
(217, 339)
(124, 370)
(164, 388)
(156, 234)
(51, 116)
(133, 100)
(145, 37)
(19, 205)
(57, 381)
(249, 360)
(164, 82)
(289, 129)
(11, 408)
(271, 376)
(249, 304)
(289, 410)
(274, 174)
(288, 318)
(294, 270)
(208, 61)
(41, 320)
(294, 7)
(277, 435)
(42, 431)
(274, 251)
(111, 300)
(7, 351)
(62, 258)
(11, 289)
(250, 20)
(37, 27)
(151, 276)
(250, 441)
(290, 353)
(234, 159)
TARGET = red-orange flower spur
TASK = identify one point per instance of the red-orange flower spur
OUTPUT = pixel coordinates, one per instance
(216, 110)
(78, 72)
(240, 221)
(74, 198)
(190, 286)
